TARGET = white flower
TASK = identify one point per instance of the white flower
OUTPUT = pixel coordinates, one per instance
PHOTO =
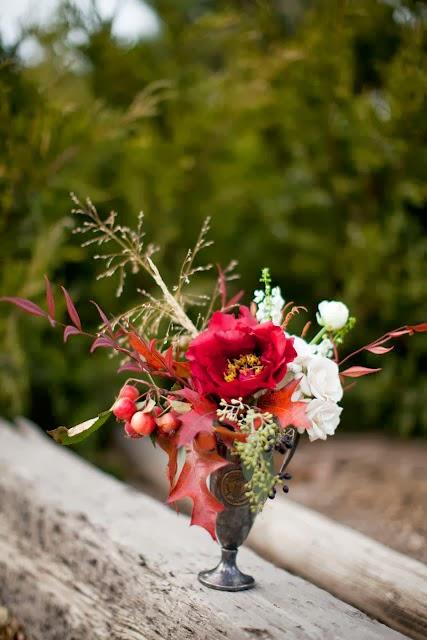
(324, 416)
(324, 348)
(322, 380)
(270, 309)
(304, 351)
(332, 314)
(259, 296)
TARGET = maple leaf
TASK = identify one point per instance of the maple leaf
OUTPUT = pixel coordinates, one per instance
(192, 483)
(200, 418)
(287, 412)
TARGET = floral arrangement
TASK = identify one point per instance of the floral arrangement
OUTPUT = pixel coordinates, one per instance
(208, 375)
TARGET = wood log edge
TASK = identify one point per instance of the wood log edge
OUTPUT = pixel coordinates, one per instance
(84, 556)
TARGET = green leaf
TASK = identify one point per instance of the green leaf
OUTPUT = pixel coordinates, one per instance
(81, 431)
(180, 407)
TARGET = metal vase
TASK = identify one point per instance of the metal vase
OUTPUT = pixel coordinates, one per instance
(234, 523)
(232, 528)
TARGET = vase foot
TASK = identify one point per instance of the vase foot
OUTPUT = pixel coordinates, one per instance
(226, 576)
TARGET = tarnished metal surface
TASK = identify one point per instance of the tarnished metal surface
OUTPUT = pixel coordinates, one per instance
(234, 523)
(232, 528)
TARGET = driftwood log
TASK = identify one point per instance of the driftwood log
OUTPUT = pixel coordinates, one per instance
(84, 557)
(387, 585)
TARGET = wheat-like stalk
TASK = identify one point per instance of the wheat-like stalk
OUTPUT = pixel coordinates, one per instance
(132, 253)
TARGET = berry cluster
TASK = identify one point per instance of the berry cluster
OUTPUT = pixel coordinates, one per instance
(140, 422)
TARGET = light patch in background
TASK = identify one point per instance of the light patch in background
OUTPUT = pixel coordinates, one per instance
(132, 19)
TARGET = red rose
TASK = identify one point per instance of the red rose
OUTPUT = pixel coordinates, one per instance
(234, 357)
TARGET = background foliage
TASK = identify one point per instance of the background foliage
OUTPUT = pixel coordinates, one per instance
(299, 127)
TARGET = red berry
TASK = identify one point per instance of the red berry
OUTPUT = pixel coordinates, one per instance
(130, 432)
(124, 408)
(167, 423)
(142, 423)
(129, 391)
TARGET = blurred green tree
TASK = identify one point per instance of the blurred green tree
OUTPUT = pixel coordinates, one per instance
(298, 126)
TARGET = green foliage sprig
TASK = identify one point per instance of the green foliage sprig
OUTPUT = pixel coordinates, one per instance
(256, 453)
(339, 335)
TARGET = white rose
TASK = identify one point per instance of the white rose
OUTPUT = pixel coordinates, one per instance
(297, 367)
(324, 416)
(332, 314)
(304, 350)
(322, 380)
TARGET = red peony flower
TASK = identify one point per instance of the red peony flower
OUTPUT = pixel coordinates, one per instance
(235, 357)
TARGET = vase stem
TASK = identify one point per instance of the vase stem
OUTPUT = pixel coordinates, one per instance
(227, 576)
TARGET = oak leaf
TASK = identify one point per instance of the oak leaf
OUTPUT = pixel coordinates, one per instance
(192, 483)
(169, 446)
(199, 419)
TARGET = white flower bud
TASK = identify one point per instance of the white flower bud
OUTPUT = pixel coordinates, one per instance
(332, 314)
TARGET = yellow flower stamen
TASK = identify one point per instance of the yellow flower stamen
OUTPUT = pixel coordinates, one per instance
(242, 367)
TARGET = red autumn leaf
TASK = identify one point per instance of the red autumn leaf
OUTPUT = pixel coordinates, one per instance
(234, 300)
(25, 305)
(70, 331)
(398, 332)
(287, 412)
(222, 288)
(181, 369)
(358, 372)
(129, 366)
(50, 301)
(192, 483)
(157, 360)
(147, 351)
(378, 350)
(200, 418)
(168, 444)
(103, 316)
(72, 311)
(229, 435)
(102, 341)
(419, 328)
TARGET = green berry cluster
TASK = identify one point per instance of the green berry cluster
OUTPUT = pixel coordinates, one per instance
(256, 455)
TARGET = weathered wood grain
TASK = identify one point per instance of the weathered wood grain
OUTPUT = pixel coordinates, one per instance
(388, 585)
(83, 556)
(385, 584)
